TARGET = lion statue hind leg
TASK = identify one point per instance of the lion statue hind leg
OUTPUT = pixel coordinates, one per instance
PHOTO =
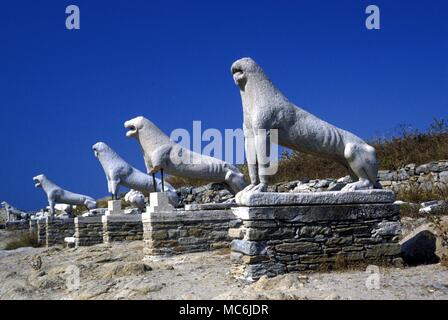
(363, 163)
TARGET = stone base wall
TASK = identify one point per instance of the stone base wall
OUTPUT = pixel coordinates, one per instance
(428, 177)
(17, 225)
(88, 231)
(277, 240)
(182, 231)
(58, 229)
(41, 231)
(33, 226)
(122, 227)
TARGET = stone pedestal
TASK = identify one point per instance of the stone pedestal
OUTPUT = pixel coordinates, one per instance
(41, 231)
(33, 226)
(122, 227)
(17, 225)
(159, 202)
(114, 207)
(168, 231)
(58, 229)
(289, 232)
(88, 231)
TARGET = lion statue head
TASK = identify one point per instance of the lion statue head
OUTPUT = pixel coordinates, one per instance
(134, 126)
(100, 147)
(245, 69)
(38, 180)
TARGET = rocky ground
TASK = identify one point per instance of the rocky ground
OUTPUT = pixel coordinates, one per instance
(117, 272)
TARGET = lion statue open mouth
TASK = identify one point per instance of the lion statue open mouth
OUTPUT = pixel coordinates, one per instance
(160, 153)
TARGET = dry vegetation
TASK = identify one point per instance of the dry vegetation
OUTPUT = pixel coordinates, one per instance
(404, 147)
(26, 239)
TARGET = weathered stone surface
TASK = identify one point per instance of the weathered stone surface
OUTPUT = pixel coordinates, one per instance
(259, 199)
(297, 247)
(17, 225)
(299, 238)
(314, 213)
(180, 231)
(387, 228)
(122, 227)
(269, 233)
(183, 215)
(88, 231)
(443, 177)
(250, 248)
(41, 231)
(312, 231)
(236, 233)
(209, 206)
(57, 230)
(383, 249)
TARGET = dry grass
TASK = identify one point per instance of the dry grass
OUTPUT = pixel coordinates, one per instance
(26, 239)
(178, 182)
(403, 147)
(417, 195)
(413, 146)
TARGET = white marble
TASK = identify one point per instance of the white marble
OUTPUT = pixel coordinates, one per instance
(119, 172)
(135, 198)
(265, 108)
(56, 194)
(159, 202)
(114, 208)
(162, 153)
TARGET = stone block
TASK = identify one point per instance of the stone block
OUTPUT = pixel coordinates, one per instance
(267, 199)
(114, 207)
(179, 231)
(303, 237)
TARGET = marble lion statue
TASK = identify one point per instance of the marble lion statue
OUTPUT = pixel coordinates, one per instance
(160, 153)
(119, 172)
(266, 108)
(56, 194)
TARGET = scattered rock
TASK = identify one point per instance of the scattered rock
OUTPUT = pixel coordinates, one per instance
(419, 248)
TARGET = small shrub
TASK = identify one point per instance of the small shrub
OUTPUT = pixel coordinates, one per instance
(26, 240)
(411, 211)
(341, 262)
(417, 195)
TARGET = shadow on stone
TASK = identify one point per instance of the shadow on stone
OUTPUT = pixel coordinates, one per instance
(420, 249)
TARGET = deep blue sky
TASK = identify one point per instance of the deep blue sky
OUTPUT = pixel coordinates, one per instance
(61, 91)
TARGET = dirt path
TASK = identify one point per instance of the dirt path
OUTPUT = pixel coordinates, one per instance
(117, 272)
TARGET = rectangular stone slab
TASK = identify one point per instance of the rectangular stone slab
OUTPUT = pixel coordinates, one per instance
(313, 213)
(209, 206)
(264, 199)
(184, 215)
